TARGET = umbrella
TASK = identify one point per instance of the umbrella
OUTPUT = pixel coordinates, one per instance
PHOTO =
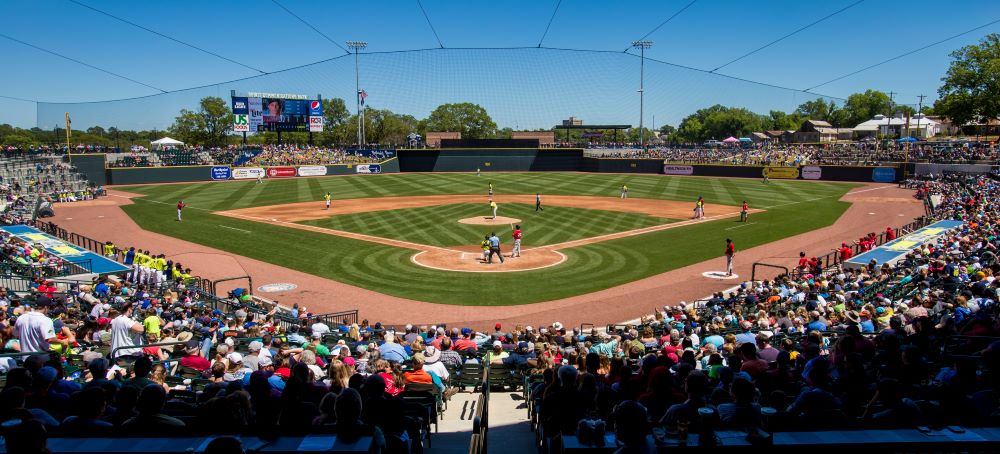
(908, 139)
(730, 139)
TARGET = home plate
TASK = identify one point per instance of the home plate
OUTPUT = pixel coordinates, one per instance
(719, 275)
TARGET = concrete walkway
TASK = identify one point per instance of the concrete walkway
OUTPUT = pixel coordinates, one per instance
(508, 432)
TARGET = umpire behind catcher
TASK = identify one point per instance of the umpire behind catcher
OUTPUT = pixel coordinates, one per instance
(494, 247)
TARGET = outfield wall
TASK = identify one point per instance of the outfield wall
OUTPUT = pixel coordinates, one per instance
(881, 174)
(490, 159)
(175, 174)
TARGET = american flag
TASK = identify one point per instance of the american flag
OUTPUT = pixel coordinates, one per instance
(362, 94)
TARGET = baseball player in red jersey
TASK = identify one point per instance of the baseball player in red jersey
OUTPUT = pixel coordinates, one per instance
(180, 206)
(745, 212)
(730, 253)
(516, 252)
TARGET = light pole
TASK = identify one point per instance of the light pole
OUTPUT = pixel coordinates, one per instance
(642, 46)
(356, 46)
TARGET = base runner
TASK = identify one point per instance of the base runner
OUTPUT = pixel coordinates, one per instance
(538, 202)
(516, 251)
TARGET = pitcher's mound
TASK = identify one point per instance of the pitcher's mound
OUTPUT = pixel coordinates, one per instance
(488, 220)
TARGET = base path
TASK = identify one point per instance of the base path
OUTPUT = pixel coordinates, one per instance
(875, 206)
(307, 211)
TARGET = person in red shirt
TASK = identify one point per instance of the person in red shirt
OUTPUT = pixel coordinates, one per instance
(180, 206)
(845, 252)
(803, 261)
(745, 212)
(192, 357)
(730, 253)
(516, 252)
(890, 234)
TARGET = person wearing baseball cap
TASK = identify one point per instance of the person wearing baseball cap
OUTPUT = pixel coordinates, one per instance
(35, 329)
(496, 355)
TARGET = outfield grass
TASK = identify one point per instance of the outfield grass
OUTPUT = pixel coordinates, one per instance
(793, 207)
(439, 226)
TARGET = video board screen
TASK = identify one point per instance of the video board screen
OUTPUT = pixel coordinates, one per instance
(276, 113)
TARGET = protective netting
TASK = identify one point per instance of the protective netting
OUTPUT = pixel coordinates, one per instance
(523, 88)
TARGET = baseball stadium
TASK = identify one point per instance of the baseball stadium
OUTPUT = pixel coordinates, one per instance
(457, 239)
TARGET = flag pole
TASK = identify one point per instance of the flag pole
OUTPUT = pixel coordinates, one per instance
(69, 150)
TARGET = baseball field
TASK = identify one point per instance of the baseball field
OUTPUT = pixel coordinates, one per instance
(417, 236)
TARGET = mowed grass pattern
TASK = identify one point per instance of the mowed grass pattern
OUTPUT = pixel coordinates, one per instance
(793, 207)
(439, 226)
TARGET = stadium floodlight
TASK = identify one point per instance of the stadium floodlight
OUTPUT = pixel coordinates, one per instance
(642, 45)
(357, 46)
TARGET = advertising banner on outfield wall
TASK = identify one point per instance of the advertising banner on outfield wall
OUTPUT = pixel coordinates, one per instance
(781, 172)
(281, 172)
(247, 173)
(884, 174)
(221, 172)
(678, 170)
(312, 171)
(369, 168)
(812, 172)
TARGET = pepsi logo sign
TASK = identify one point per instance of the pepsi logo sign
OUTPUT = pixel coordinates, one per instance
(314, 104)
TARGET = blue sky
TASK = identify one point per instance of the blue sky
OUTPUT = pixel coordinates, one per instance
(525, 88)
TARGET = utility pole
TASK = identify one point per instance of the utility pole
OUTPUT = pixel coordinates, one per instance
(356, 46)
(920, 114)
(642, 46)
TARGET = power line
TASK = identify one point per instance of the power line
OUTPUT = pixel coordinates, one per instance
(459, 49)
(80, 62)
(15, 98)
(429, 24)
(672, 16)
(800, 29)
(866, 68)
(165, 36)
(551, 18)
(307, 24)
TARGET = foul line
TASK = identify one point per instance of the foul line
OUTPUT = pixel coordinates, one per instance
(829, 197)
(231, 228)
(744, 225)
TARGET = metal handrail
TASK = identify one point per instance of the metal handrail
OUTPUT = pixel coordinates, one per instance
(142, 346)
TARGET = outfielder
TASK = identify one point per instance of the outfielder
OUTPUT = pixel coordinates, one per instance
(180, 206)
(516, 251)
(327, 198)
(490, 192)
(745, 212)
(624, 191)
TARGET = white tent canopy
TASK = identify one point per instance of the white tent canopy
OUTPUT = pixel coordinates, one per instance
(166, 141)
